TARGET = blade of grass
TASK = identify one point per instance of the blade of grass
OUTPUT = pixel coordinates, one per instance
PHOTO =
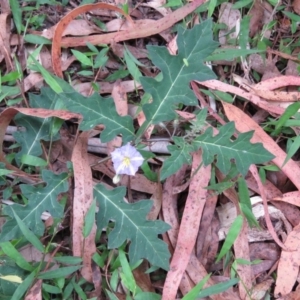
(23, 287)
(28, 234)
(194, 292)
(233, 232)
(16, 256)
(292, 150)
(59, 273)
(17, 14)
(218, 288)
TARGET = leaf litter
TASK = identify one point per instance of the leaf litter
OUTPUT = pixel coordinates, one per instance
(201, 165)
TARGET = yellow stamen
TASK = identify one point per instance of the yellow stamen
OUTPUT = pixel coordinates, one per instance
(126, 161)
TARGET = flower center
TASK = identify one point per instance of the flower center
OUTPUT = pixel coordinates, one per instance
(126, 161)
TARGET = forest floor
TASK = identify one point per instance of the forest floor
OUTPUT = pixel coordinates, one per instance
(149, 150)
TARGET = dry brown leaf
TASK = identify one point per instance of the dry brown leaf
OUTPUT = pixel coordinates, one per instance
(291, 197)
(267, 67)
(141, 118)
(97, 281)
(272, 192)
(254, 172)
(288, 267)
(149, 27)
(83, 198)
(5, 7)
(230, 17)
(142, 279)
(106, 87)
(159, 5)
(78, 27)
(241, 250)
(188, 228)
(33, 80)
(195, 269)
(296, 6)
(277, 96)
(120, 98)
(205, 238)
(35, 292)
(4, 39)
(140, 183)
(256, 14)
(63, 23)
(117, 25)
(259, 291)
(138, 53)
(157, 203)
(292, 295)
(220, 86)
(172, 46)
(170, 213)
(277, 83)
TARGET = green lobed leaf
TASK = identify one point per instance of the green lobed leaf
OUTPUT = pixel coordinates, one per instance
(131, 224)
(33, 161)
(36, 129)
(180, 155)
(194, 46)
(7, 288)
(98, 110)
(241, 150)
(40, 199)
(95, 110)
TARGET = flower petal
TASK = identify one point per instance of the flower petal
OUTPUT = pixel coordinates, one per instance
(126, 160)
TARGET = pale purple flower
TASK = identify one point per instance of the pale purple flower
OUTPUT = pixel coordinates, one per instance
(126, 160)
